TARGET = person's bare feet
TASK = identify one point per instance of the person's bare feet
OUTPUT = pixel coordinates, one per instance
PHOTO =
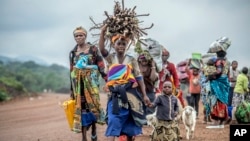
(228, 121)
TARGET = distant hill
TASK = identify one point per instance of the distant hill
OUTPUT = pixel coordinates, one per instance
(31, 58)
(23, 78)
(23, 59)
(5, 59)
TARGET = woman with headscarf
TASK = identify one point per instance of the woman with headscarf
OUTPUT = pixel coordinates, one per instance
(218, 96)
(150, 76)
(124, 108)
(85, 67)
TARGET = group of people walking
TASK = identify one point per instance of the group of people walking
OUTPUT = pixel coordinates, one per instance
(139, 86)
(131, 83)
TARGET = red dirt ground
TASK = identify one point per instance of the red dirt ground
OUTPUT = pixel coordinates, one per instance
(42, 118)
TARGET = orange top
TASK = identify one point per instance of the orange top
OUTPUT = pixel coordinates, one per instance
(194, 84)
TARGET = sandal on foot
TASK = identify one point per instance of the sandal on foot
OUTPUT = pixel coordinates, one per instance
(94, 138)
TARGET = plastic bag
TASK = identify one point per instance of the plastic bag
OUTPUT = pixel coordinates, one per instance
(242, 113)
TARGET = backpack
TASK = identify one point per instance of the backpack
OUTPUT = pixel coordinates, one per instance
(242, 113)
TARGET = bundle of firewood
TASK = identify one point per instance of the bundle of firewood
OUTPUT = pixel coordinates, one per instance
(124, 21)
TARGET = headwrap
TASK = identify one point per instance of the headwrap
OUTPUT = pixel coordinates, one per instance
(118, 36)
(165, 51)
(80, 30)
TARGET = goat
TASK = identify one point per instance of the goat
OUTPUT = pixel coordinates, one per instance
(189, 121)
(152, 121)
(178, 116)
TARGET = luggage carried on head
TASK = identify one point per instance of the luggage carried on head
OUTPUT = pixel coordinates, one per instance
(152, 49)
(222, 43)
(195, 63)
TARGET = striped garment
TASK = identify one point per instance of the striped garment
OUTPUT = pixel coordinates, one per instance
(120, 74)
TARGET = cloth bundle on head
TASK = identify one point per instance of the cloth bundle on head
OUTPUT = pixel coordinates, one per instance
(80, 30)
(222, 43)
(195, 64)
(150, 49)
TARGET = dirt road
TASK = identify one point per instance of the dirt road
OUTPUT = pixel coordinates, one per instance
(43, 119)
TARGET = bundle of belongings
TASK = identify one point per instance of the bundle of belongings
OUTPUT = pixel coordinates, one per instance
(209, 60)
(242, 113)
(210, 68)
(151, 49)
(181, 71)
(124, 21)
(221, 44)
(195, 61)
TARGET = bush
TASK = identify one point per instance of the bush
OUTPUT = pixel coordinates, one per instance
(4, 96)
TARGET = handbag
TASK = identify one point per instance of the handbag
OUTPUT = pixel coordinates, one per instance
(69, 109)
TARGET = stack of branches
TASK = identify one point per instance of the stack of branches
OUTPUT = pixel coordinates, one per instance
(124, 21)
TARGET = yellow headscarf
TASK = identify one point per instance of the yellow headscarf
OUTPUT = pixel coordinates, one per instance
(118, 36)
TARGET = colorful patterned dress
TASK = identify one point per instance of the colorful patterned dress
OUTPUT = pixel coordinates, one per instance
(85, 71)
(218, 96)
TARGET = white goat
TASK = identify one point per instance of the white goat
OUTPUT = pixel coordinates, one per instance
(178, 117)
(189, 121)
(152, 121)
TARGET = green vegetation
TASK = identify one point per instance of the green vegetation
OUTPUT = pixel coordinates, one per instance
(18, 78)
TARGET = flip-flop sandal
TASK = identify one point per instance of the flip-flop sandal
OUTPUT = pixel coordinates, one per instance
(94, 138)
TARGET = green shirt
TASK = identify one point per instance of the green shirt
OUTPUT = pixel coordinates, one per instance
(241, 84)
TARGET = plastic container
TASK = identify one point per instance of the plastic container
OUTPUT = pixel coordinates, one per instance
(195, 64)
(230, 108)
(69, 109)
(196, 56)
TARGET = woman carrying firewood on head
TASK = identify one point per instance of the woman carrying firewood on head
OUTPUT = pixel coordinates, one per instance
(125, 114)
(125, 107)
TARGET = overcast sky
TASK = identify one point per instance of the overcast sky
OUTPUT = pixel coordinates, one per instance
(43, 28)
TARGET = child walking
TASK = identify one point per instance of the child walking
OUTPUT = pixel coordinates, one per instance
(167, 109)
(194, 88)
